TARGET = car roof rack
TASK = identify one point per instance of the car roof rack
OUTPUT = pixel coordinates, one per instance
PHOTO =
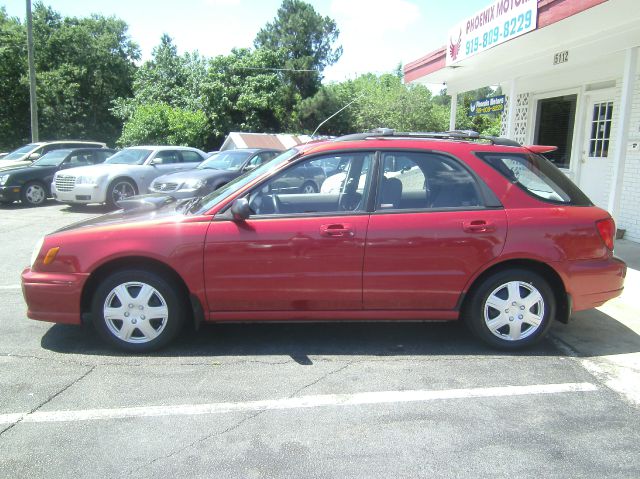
(463, 135)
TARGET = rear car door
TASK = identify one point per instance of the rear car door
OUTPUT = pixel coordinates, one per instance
(433, 227)
(298, 251)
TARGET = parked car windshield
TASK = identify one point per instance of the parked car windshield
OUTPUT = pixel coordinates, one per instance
(225, 160)
(53, 158)
(222, 193)
(133, 156)
(20, 152)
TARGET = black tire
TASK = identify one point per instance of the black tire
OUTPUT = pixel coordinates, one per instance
(119, 189)
(33, 193)
(309, 187)
(520, 321)
(143, 330)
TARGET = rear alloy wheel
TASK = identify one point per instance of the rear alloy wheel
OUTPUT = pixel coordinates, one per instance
(511, 309)
(33, 194)
(138, 310)
(119, 190)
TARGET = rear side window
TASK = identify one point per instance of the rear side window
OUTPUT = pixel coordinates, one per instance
(537, 176)
(425, 181)
(190, 157)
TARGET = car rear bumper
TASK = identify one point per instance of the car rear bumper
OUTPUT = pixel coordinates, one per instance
(53, 297)
(593, 282)
(83, 194)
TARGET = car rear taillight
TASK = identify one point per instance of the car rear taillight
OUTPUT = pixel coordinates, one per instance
(607, 230)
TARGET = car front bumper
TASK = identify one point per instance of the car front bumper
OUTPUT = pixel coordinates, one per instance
(10, 193)
(82, 194)
(53, 297)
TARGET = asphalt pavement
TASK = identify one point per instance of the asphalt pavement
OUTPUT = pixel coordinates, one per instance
(314, 400)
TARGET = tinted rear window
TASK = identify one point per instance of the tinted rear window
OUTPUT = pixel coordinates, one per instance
(537, 176)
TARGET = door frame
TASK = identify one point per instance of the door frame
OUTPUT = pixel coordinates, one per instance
(576, 145)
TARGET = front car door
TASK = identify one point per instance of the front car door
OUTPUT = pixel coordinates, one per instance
(430, 231)
(298, 252)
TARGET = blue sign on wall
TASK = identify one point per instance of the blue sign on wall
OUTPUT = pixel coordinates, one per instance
(485, 106)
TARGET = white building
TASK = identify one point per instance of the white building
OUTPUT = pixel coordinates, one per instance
(569, 69)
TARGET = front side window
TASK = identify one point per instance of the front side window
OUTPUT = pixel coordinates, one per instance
(537, 176)
(425, 181)
(305, 188)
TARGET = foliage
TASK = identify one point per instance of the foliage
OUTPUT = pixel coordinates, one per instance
(380, 101)
(14, 85)
(82, 64)
(483, 124)
(162, 124)
(244, 92)
(306, 39)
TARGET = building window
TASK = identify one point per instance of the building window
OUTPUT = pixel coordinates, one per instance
(600, 130)
(554, 126)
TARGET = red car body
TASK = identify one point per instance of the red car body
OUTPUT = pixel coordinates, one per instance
(413, 265)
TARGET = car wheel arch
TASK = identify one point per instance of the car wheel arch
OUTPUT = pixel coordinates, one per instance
(563, 299)
(126, 178)
(137, 262)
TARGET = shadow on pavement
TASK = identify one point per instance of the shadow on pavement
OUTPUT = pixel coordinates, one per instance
(301, 340)
(594, 333)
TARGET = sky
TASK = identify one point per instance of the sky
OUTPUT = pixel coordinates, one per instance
(376, 35)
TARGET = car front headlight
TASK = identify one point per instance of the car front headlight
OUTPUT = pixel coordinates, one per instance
(3, 179)
(36, 251)
(191, 185)
(87, 180)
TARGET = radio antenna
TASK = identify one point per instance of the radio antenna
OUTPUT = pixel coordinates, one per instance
(341, 109)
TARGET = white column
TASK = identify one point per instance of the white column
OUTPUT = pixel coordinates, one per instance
(511, 114)
(454, 109)
(622, 130)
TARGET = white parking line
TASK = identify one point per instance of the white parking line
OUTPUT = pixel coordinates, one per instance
(12, 286)
(381, 397)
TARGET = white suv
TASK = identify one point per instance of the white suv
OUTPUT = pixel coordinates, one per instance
(127, 173)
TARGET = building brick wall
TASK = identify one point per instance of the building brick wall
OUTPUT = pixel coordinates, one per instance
(629, 216)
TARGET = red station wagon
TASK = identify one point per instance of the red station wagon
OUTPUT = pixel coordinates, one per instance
(417, 226)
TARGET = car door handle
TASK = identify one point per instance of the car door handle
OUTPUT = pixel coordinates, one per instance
(336, 230)
(478, 226)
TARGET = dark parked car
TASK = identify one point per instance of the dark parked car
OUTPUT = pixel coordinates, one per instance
(27, 154)
(32, 184)
(217, 170)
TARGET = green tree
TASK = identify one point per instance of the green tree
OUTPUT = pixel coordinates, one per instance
(244, 91)
(14, 86)
(380, 101)
(162, 124)
(82, 64)
(307, 40)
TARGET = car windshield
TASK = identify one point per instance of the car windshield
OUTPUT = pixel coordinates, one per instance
(20, 152)
(53, 158)
(226, 160)
(129, 156)
(227, 190)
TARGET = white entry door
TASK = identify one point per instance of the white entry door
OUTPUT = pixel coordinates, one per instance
(596, 165)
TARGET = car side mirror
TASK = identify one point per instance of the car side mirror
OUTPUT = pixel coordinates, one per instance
(249, 168)
(240, 209)
(34, 156)
(155, 162)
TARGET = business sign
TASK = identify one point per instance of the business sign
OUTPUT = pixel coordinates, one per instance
(486, 106)
(499, 22)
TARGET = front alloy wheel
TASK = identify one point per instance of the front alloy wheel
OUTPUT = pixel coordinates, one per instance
(138, 310)
(34, 194)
